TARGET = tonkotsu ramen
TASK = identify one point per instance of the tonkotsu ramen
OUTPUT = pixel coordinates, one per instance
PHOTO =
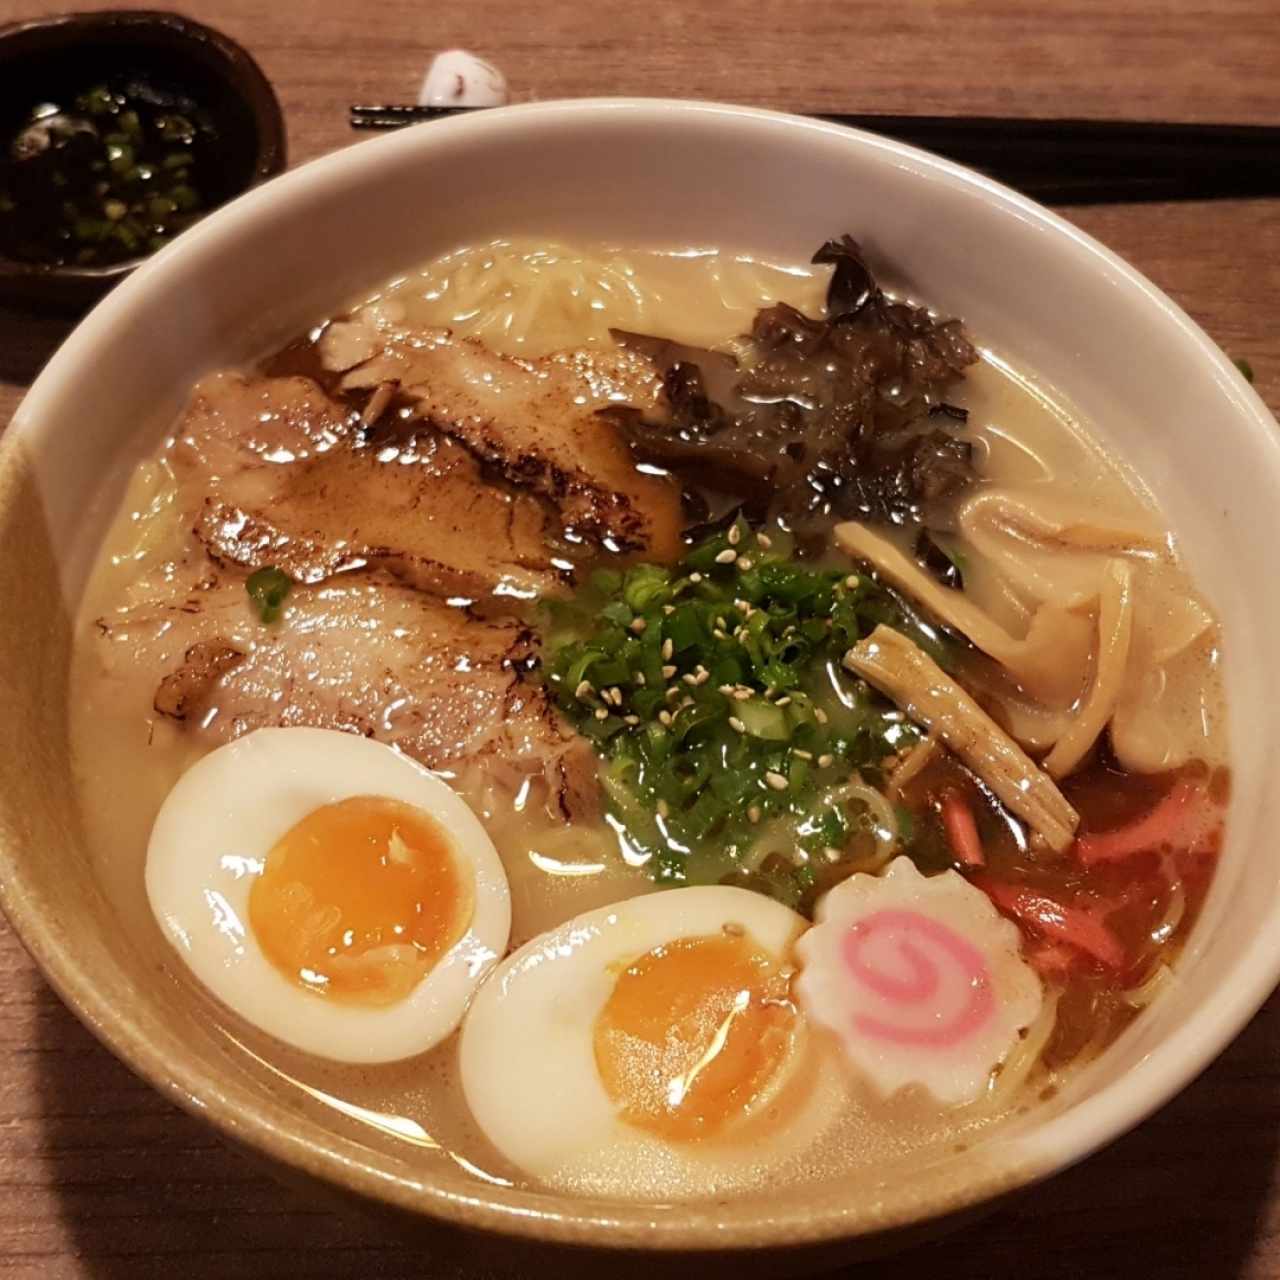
(650, 723)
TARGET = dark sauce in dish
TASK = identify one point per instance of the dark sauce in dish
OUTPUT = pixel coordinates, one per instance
(104, 175)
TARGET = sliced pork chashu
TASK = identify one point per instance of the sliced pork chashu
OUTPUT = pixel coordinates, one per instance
(535, 421)
(367, 656)
(283, 477)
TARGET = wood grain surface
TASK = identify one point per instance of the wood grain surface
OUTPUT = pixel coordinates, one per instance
(100, 1178)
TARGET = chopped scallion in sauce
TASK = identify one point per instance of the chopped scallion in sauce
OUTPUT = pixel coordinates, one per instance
(112, 174)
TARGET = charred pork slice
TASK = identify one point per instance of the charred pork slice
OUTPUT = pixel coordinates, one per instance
(535, 421)
(284, 477)
(369, 657)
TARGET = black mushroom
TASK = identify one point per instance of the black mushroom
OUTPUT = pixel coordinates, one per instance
(840, 417)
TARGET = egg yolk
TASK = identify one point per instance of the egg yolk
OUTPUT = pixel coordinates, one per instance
(694, 1034)
(359, 900)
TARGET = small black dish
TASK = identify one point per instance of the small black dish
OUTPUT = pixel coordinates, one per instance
(51, 58)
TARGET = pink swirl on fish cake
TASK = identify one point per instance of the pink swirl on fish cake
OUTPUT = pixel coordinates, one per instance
(921, 984)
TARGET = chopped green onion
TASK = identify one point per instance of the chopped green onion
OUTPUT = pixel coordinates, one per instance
(717, 700)
(645, 586)
(763, 719)
(267, 590)
(176, 128)
(90, 229)
(97, 101)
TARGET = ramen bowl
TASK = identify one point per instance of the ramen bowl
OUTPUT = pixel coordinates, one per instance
(1046, 297)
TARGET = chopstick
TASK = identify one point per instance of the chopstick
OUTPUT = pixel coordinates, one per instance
(1056, 161)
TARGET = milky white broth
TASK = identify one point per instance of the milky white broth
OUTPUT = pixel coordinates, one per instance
(126, 757)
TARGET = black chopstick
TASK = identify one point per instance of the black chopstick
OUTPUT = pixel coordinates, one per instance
(1056, 161)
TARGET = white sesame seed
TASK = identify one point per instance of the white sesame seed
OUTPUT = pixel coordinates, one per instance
(667, 650)
(753, 813)
(668, 671)
(695, 578)
(601, 713)
(689, 678)
(727, 690)
(742, 606)
(769, 693)
(638, 625)
(663, 809)
(640, 678)
(673, 692)
(803, 755)
(687, 702)
(615, 696)
(826, 760)
(782, 702)
(831, 855)
(776, 780)
(736, 725)
(668, 609)
(742, 694)
(851, 581)
(819, 715)
(745, 563)
(664, 717)
(583, 690)
(764, 540)
(719, 634)
(735, 535)
(727, 556)
(799, 857)
(630, 719)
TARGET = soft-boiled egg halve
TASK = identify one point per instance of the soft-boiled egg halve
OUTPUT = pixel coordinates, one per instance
(343, 899)
(651, 1047)
(330, 891)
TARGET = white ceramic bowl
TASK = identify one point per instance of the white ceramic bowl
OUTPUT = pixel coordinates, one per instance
(1029, 285)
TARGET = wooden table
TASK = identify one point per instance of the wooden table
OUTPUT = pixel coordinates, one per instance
(101, 1178)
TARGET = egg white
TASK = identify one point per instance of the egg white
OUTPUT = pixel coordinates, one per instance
(210, 842)
(527, 1057)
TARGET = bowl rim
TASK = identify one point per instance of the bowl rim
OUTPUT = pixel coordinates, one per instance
(231, 62)
(257, 1120)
